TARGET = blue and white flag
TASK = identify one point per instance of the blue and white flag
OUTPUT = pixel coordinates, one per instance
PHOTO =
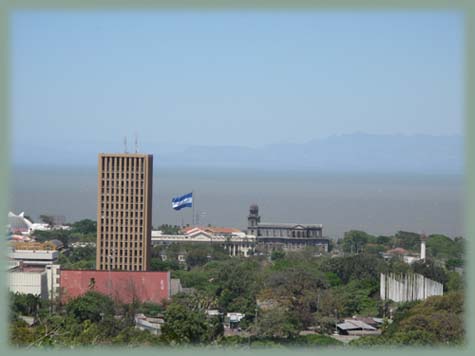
(185, 201)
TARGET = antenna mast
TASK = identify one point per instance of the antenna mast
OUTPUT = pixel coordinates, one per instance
(136, 144)
(125, 144)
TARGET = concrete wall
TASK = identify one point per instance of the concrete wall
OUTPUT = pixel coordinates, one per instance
(29, 283)
(408, 287)
(52, 277)
(32, 257)
(122, 286)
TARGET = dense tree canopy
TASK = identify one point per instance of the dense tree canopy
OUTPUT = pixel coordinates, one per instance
(436, 321)
(91, 306)
(281, 295)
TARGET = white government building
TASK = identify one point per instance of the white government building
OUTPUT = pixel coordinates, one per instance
(236, 242)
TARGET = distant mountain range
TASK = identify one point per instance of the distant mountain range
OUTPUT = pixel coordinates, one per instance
(344, 153)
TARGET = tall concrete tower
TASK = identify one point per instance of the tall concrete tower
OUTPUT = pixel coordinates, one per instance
(423, 246)
(124, 211)
(253, 219)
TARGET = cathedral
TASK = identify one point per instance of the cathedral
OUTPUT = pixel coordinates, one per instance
(279, 236)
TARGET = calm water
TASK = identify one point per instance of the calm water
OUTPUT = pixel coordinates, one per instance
(378, 204)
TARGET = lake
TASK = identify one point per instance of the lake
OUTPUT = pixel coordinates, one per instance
(376, 203)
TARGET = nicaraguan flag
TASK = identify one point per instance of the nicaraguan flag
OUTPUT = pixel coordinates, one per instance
(183, 201)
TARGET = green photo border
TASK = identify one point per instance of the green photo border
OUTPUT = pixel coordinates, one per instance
(467, 7)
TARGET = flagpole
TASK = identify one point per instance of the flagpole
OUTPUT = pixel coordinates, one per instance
(193, 206)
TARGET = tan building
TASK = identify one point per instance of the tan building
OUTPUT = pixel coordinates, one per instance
(124, 211)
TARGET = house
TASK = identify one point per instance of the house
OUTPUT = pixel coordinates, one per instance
(152, 325)
(232, 320)
(357, 326)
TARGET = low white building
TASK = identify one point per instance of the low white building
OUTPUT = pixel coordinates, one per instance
(30, 282)
(53, 281)
(42, 280)
(408, 287)
(236, 243)
(20, 224)
(232, 320)
(34, 257)
(152, 325)
(81, 244)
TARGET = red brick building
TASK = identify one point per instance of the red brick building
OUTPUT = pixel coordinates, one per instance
(123, 286)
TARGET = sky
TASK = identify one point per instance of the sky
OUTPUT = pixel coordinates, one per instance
(231, 78)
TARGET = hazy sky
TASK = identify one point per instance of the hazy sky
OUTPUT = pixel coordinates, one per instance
(232, 78)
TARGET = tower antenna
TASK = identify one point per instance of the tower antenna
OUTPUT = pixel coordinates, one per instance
(136, 144)
(125, 144)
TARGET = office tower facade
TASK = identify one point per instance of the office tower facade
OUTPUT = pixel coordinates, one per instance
(124, 211)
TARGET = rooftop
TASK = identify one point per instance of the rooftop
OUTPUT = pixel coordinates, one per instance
(289, 225)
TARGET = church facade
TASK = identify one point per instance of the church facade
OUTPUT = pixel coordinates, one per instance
(279, 236)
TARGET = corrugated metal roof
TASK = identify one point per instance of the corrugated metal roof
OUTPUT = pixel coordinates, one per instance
(362, 325)
(354, 324)
(346, 326)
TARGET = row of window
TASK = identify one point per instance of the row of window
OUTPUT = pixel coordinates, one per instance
(138, 199)
(106, 259)
(127, 252)
(121, 175)
(130, 207)
(119, 244)
(123, 163)
(127, 235)
(129, 229)
(121, 183)
(289, 233)
(109, 222)
(111, 212)
(111, 191)
(129, 268)
(128, 215)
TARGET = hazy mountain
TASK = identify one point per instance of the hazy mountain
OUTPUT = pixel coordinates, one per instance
(345, 153)
(354, 153)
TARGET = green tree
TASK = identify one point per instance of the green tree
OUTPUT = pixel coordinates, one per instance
(91, 306)
(354, 241)
(235, 284)
(299, 291)
(443, 247)
(25, 304)
(277, 255)
(197, 256)
(170, 229)
(429, 269)
(358, 267)
(455, 282)
(156, 264)
(453, 263)
(62, 235)
(407, 240)
(185, 326)
(278, 323)
(85, 226)
(326, 325)
(47, 219)
(435, 321)
(151, 309)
